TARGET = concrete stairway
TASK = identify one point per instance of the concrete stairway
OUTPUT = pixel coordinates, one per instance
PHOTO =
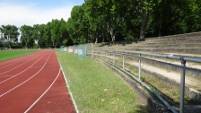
(187, 45)
(180, 44)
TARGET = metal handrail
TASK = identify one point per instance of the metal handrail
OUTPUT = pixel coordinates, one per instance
(183, 67)
(171, 56)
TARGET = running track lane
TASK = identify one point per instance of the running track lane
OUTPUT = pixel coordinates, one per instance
(16, 60)
(45, 92)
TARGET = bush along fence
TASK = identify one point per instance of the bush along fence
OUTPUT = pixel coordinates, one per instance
(122, 59)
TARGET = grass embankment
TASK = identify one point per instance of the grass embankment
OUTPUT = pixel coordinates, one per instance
(8, 54)
(96, 89)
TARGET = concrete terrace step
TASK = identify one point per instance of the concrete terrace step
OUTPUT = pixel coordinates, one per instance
(195, 50)
(171, 42)
(173, 38)
(179, 36)
(152, 44)
(161, 45)
(162, 49)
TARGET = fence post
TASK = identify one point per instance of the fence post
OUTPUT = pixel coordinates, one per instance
(92, 52)
(182, 85)
(95, 54)
(101, 53)
(85, 50)
(106, 52)
(113, 58)
(139, 68)
(123, 57)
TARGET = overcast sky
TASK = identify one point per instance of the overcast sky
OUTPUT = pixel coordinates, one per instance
(30, 12)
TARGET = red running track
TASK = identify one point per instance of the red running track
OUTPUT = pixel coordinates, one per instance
(34, 84)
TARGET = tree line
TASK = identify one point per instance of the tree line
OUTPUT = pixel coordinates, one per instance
(110, 20)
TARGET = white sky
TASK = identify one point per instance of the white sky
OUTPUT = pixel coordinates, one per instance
(30, 12)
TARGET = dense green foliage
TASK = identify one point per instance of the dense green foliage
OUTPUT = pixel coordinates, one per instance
(52, 34)
(9, 37)
(112, 20)
(5, 55)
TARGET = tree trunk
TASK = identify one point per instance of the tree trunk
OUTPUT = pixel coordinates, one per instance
(95, 35)
(103, 35)
(96, 40)
(26, 46)
(145, 17)
(160, 23)
(112, 34)
(10, 47)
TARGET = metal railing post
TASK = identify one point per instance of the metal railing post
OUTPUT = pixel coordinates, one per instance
(139, 68)
(106, 54)
(92, 52)
(101, 53)
(98, 54)
(123, 57)
(182, 85)
(95, 54)
(113, 58)
(85, 51)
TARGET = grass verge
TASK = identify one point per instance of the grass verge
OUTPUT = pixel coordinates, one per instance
(96, 89)
(8, 54)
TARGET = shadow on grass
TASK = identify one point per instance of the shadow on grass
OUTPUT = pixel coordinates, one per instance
(141, 109)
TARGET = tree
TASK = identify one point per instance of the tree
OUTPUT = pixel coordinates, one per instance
(168, 17)
(40, 35)
(193, 15)
(113, 19)
(59, 32)
(27, 38)
(77, 25)
(37, 34)
(10, 34)
(47, 35)
(64, 34)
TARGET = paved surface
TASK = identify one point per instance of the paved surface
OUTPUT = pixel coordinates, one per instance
(35, 84)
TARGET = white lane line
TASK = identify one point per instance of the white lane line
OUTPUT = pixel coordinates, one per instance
(44, 92)
(68, 88)
(7, 63)
(11, 60)
(21, 71)
(15, 61)
(76, 109)
(18, 65)
(25, 80)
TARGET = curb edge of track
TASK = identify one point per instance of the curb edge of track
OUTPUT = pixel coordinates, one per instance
(75, 106)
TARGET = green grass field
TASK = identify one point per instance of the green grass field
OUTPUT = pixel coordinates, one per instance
(8, 54)
(96, 89)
